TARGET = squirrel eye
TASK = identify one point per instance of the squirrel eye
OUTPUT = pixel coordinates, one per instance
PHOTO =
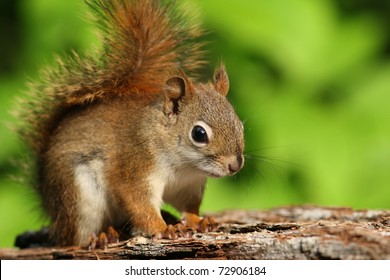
(199, 135)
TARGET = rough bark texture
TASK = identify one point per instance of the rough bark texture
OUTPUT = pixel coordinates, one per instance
(299, 232)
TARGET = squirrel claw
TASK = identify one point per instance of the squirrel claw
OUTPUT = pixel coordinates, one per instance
(207, 224)
(184, 231)
(112, 235)
(104, 238)
(169, 233)
(174, 232)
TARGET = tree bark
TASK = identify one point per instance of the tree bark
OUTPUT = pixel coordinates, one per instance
(296, 232)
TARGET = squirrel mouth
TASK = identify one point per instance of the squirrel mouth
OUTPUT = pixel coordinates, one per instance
(214, 175)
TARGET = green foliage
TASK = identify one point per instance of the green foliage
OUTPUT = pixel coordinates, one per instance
(309, 78)
(311, 81)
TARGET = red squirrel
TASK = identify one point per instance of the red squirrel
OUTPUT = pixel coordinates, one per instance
(116, 134)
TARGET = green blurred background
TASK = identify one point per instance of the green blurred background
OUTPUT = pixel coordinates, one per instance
(311, 80)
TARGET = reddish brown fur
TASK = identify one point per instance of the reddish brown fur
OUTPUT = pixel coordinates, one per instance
(144, 43)
(110, 134)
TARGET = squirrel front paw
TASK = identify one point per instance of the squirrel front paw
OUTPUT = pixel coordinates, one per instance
(190, 224)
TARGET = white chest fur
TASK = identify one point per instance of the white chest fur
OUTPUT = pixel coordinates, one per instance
(176, 187)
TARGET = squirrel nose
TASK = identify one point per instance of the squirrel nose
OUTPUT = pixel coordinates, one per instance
(236, 164)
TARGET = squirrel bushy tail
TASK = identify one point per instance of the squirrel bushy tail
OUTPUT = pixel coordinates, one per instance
(143, 41)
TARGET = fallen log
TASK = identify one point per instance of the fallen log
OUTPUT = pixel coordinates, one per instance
(294, 232)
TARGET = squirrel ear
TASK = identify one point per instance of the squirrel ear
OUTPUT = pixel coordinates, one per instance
(221, 80)
(175, 89)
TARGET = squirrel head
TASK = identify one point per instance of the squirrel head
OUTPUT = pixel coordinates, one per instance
(207, 132)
